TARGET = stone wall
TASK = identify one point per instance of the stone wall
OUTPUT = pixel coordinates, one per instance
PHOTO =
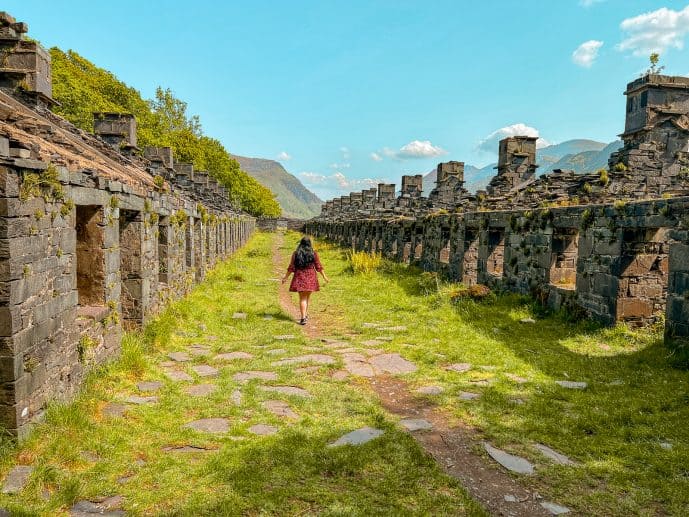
(611, 243)
(94, 238)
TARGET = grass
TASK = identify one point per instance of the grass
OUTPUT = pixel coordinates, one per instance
(80, 453)
(617, 430)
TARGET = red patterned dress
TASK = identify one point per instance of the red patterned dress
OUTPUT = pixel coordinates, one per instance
(305, 279)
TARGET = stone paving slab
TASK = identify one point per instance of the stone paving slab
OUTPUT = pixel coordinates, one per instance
(468, 395)
(358, 437)
(232, 356)
(280, 408)
(339, 375)
(114, 410)
(552, 454)
(459, 367)
(263, 429)
(430, 390)
(139, 401)
(200, 390)
(509, 461)
(572, 385)
(516, 378)
(415, 424)
(393, 363)
(16, 479)
(555, 509)
(277, 351)
(288, 390)
(179, 357)
(178, 376)
(239, 316)
(250, 375)
(356, 365)
(89, 508)
(285, 337)
(372, 342)
(209, 425)
(236, 397)
(396, 328)
(204, 370)
(308, 358)
(149, 386)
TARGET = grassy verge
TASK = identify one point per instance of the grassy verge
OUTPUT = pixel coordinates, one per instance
(81, 453)
(628, 430)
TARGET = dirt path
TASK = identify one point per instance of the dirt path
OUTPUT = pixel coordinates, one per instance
(453, 447)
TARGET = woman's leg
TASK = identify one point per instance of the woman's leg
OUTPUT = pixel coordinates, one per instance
(303, 303)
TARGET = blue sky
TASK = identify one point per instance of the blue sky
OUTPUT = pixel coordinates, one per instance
(348, 93)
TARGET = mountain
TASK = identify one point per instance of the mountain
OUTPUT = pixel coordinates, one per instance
(294, 198)
(579, 155)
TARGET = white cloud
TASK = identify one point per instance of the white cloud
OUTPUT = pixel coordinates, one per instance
(416, 149)
(589, 3)
(336, 184)
(490, 143)
(346, 155)
(586, 53)
(340, 165)
(284, 156)
(656, 31)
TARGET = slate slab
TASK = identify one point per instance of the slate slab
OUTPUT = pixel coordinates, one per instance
(396, 328)
(262, 429)
(555, 509)
(187, 449)
(468, 395)
(459, 367)
(280, 408)
(358, 437)
(339, 375)
(89, 508)
(415, 424)
(177, 376)
(372, 342)
(209, 425)
(239, 316)
(284, 337)
(393, 363)
(149, 386)
(527, 320)
(179, 357)
(140, 401)
(356, 364)
(247, 376)
(277, 351)
(516, 378)
(201, 390)
(288, 390)
(572, 385)
(204, 370)
(232, 356)
(430, 390)
(236, 397)
(552, 454)
(114, 410)
(16, 479)
(509, 461)
(308, 358)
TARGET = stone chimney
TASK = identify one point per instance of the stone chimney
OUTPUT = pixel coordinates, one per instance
(412, 186)
(516, 164)
(25, 67)
(160, 157)
(117, 129)
(449, 169)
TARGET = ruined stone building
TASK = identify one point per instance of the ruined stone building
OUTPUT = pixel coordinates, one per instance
(94, 237)
(612, 243)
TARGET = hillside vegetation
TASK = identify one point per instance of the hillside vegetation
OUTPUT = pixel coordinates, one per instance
(294, 198)
(82, 88)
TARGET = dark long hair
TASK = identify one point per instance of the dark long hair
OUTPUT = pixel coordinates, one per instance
(304, 256)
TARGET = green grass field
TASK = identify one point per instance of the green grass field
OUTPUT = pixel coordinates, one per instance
(81, 453)
(628, 431)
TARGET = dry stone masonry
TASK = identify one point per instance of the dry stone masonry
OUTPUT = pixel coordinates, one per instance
(613, 244)
(94, 238)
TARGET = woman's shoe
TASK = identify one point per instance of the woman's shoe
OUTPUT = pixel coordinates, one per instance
(302, 321)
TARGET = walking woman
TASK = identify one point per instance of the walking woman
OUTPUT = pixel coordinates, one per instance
(304, 264)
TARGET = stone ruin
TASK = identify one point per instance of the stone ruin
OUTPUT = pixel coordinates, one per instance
(613, 244)
(94, 237)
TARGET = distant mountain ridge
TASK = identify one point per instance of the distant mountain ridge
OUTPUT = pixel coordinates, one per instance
(580, 155)
(295, 199)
